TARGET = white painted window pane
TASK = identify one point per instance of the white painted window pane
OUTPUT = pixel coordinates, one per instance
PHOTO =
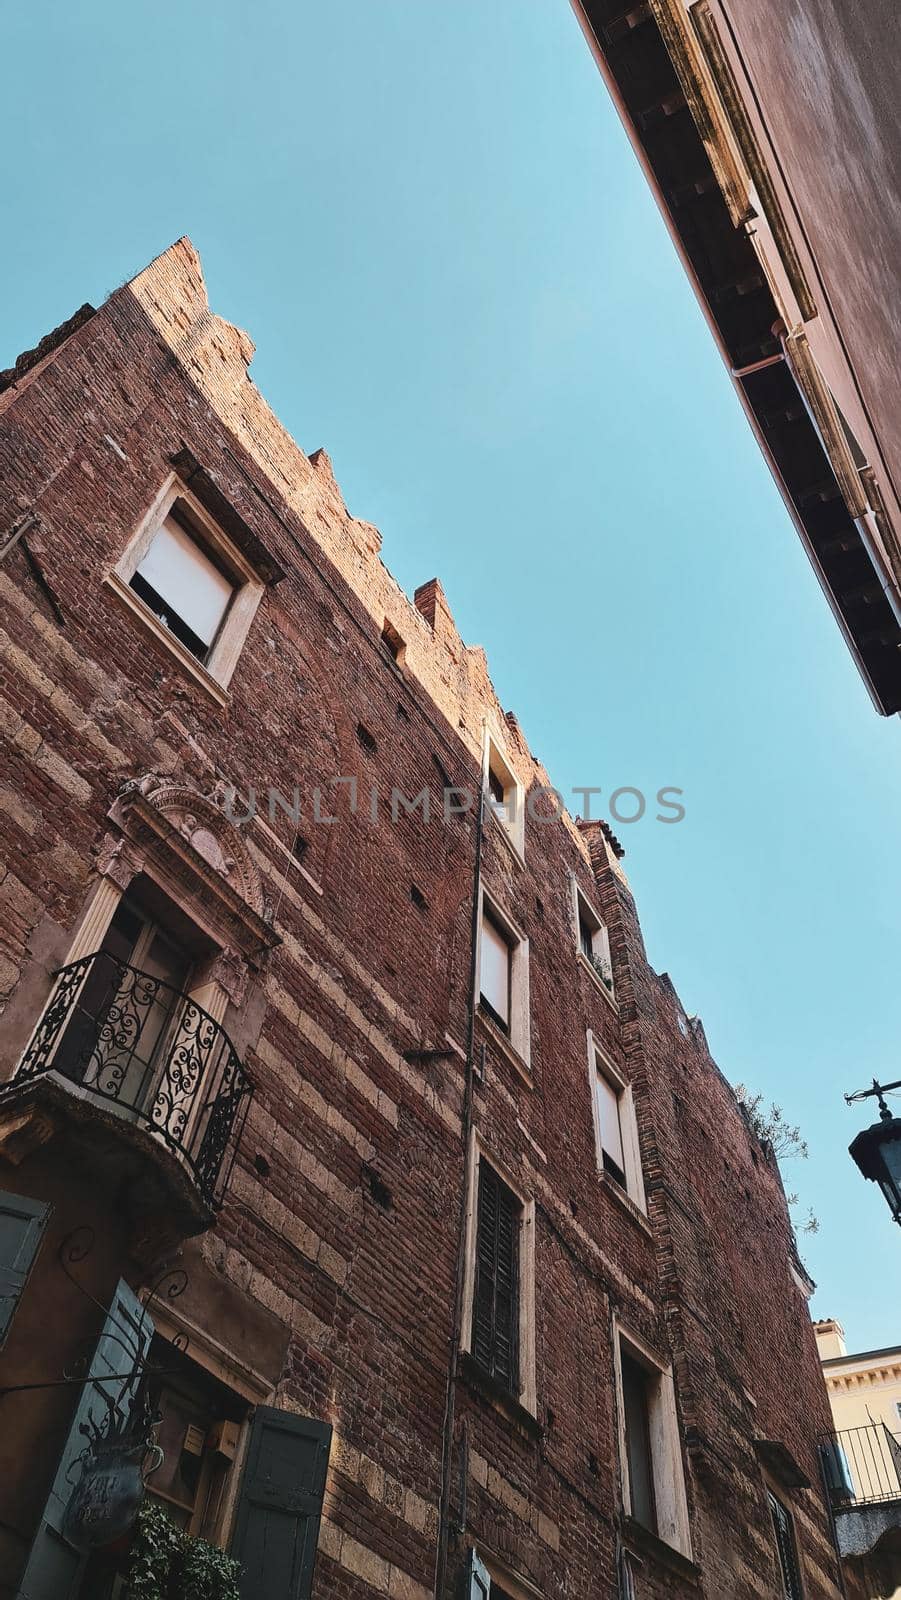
(183, 576)
(495, 974)
(608, 1117)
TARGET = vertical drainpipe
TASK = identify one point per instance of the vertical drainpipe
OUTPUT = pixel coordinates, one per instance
(451, 1389)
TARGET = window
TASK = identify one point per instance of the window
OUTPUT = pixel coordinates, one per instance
(184, 587)
(786, 1548)
(639, 1460)
(495, 1317)
(611, 1134)
(198, 1431)
(498, 1325)
(191, 586)
(394, 644)
(504, 978)
(593, 940)
(615, 1125)
(495, 971)
(505, 796)
(650, 1447)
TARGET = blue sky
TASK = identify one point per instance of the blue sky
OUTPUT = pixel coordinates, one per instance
(432, 225)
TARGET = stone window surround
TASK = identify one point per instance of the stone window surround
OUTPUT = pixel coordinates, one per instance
(215, 675)
(527, 1397)
(673, 1527)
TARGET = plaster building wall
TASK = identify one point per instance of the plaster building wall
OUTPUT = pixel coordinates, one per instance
(328, 1284)
(863, 1388)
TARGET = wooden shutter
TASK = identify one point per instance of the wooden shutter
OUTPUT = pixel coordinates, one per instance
(280, 1504)
(478, 1581)
(55, 1568)
(785, 1544)
(22, 1223)
(495, 1332)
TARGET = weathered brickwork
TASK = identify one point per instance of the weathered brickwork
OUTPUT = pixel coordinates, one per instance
(329, 1275)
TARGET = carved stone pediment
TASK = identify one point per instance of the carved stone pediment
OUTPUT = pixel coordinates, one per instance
(183, 839)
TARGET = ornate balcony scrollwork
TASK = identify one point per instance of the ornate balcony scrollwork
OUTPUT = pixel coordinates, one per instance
(159, 1057)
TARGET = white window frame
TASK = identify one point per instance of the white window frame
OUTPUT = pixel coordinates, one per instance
(215, 673)
(518, 1038)
(599, 1061)
(511, 816)
(501, 1573)
(667, 1466)
(527, 1396)
(584, 911)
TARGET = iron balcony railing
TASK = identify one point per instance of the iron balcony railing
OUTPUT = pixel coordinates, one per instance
(862, 1466)
(132, 1039)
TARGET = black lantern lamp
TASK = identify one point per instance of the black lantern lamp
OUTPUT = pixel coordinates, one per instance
(877, 1151)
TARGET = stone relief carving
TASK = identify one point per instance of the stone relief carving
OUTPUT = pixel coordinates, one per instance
(199, 821)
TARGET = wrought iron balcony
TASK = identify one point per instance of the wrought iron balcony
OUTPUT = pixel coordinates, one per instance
(862, 1466)
(154, 1054)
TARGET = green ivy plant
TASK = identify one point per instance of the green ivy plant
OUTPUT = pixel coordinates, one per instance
(167, 1564)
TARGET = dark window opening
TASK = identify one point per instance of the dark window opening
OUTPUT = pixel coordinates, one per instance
(496, 787)
(393, 642)
(366, 739)
(418, 898)
(636, 1381)
(495, 1319)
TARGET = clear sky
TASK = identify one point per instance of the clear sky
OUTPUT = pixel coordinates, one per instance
(431, 223)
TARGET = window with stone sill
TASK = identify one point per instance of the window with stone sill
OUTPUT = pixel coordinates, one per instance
(190, 585)
(650, 1444)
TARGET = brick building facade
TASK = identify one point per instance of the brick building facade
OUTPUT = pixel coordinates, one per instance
(487, 1280)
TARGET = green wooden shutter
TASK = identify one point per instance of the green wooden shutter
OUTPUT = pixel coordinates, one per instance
(54, 1567)
(280, 1504)
(477, 1585)
(22, 1222)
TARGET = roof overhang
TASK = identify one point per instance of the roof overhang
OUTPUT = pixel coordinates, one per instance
(744, 318)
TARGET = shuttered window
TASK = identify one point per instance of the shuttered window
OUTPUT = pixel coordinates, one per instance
(280, 1504)
(184, 587)
(22, 1223)
(495, 1330)
(784, 1534)
(494, 981)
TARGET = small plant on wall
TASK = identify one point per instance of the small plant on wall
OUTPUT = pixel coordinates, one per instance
(167, 1564)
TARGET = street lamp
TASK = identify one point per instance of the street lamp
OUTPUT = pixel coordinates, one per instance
(877, 1151)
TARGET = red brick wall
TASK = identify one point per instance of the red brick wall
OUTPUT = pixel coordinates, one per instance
(363, 1283)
